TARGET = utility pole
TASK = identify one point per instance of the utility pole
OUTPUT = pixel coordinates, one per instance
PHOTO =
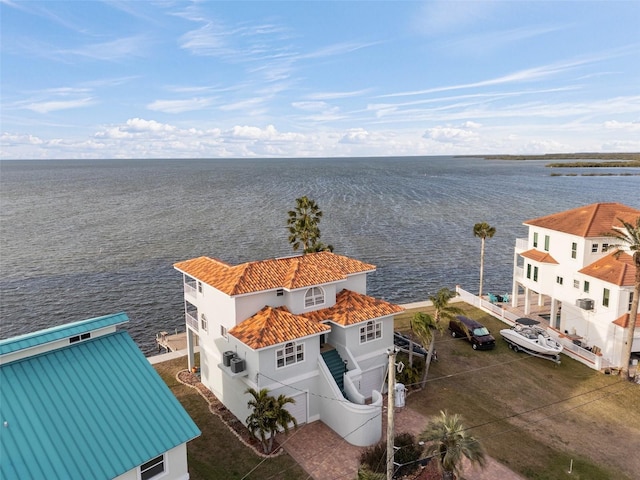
(391, 402)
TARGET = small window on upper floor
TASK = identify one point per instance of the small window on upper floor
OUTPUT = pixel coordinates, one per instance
(594, 248)
(559, 280)
(314, 296)
(199, 287)
(546, 243)
(204, 324)
(630, 300)
(152, 468)
(535, 274)
(574, 250)
(605, 297)
(77, 338)
(279, 292)
(576, 284)
(370, 331)
(605, 247)
(585, 286)
(535, 239)
(223, 332)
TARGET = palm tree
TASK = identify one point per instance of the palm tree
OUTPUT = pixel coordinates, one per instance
(268, 416)
(629, 238)
(484, 231)
(450, 443)
(426, 325)
(303, 226)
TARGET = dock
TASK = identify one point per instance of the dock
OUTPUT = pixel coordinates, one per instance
(172, 342)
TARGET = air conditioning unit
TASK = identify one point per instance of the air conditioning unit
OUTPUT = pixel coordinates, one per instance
(227, 357)
(585, 303)
(237, 365)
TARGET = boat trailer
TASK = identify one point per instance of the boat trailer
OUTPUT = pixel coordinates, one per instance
(519, 348)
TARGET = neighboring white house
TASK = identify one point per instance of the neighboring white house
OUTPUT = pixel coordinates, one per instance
(293, 325)
(81, 401)
(566, 259)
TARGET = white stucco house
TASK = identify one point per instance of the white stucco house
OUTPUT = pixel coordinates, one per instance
(81, 401)
(302, 326)
(566, 259)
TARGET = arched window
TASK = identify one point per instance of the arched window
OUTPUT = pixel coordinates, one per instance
(291, 353)
(370, 331)
(314, 296)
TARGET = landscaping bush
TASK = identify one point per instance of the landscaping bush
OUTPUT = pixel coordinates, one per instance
(407, 452)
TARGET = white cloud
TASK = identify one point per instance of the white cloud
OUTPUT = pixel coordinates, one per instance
(53, 105)
(179, 106)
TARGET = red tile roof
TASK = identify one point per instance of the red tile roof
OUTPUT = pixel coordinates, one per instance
(538, 256)
(623, 321)
(595, 220)
(271, 326)
(289, 272)
(617, 269)
(351, 308)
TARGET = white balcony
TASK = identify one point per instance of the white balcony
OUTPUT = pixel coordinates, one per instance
(189, 291)
(519, 273)
(522, 244)
(192, 321)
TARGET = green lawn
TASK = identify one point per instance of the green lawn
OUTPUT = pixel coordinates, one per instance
(531, 414)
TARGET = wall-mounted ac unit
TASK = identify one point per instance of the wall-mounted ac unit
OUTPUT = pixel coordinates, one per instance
(237, 365)
(227, 357)
(585, 303)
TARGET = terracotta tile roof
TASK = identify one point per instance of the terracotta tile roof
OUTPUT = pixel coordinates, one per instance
(593, 220)
(538, 256)
(271, 326)
(623, 321)
(352, 308)
(289, 272)
(619, 271)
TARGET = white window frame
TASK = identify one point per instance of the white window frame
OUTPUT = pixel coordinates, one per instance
(223, 332)
(605, 247)
(162, 461)
(574, 250)
(576, 284)
(559, 280)
(370, 331)
(585, 286)
(204, 323)
(606, 297)
(199, 286)
(290, 354)
(594, 248)
(313, 296)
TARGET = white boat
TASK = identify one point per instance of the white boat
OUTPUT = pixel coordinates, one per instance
(527, 336)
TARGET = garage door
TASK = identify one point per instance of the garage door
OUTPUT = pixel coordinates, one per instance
(298, 409)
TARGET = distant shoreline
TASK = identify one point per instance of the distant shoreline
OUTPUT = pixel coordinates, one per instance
(585, 160)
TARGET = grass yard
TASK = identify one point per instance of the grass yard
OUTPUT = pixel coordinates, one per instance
(218, 454)
(530, 414)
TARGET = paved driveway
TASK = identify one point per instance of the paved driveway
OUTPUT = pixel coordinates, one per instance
(326, 456)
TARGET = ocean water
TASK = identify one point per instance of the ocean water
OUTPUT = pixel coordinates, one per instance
(81, 239)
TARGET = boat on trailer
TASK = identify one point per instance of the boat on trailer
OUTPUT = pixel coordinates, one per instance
(527, 336)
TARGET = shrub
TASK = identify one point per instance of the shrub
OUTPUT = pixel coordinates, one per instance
(407, 453)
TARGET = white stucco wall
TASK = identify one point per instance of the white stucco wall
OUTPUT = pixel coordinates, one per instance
(175, 463)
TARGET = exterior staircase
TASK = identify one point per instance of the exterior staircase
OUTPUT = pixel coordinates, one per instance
(336, 366)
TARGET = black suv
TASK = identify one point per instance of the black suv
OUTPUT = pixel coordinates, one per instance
(473, 331)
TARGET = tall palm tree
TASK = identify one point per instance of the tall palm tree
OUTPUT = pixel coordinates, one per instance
(449, 443)
(425, 326)
(268, 416)
(303, 226)
(629, 238)
(484, 231)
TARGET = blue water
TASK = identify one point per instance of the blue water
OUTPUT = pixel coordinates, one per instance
(86, 238)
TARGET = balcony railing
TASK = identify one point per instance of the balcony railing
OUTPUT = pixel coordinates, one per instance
(519, 273)
(189, 290)
(192, 321)
(522, 244)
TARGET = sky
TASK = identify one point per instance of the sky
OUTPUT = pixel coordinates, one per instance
(211, 79)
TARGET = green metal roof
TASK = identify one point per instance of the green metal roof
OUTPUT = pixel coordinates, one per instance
(93, 409)
(52, 334)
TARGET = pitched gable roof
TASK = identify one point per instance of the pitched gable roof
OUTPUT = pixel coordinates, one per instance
(351, 308)
(96, 409)
(274, 325)
(538, 256)
(595, 220)
(615, 268)
(623, 321)
(289, 272)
